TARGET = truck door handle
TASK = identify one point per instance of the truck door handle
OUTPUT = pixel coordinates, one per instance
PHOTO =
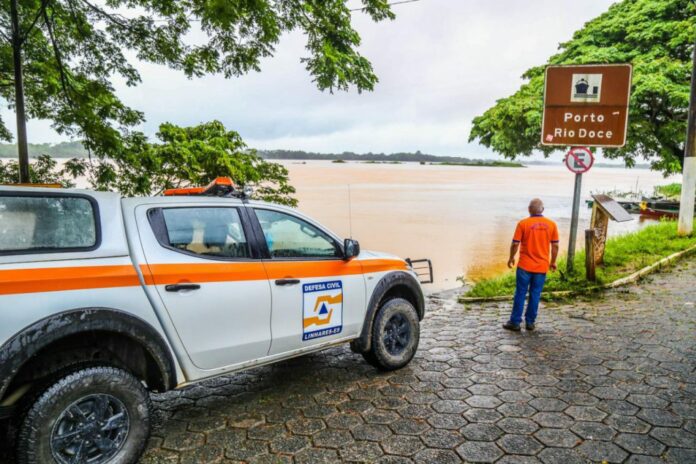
(181, 287)
(287, 281)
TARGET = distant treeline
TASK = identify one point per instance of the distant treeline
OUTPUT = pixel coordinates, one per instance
(351, 156)
(76, 150)
(57, 150)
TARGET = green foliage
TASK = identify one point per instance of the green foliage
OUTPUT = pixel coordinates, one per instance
(73, 49)
(42, 171)
(671, 191)
(186, 156)
(657, 37)
(624, 255)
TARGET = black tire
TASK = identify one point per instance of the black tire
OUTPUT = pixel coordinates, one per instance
(109, 406)
(395, 335)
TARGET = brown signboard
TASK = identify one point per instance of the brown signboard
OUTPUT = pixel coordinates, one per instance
(586, 105)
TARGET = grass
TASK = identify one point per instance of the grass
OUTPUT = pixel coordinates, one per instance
(670, 191)
(624, 255)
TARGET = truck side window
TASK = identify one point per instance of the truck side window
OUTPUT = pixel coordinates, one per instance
(206, 231)
(43, 223)
(290, 237)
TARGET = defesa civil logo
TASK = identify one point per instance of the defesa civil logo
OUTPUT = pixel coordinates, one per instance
(322, 309)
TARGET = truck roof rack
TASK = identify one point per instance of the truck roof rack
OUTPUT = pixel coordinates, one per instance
(220, 187)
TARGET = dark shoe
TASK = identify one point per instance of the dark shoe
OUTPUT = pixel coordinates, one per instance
(530, 327)
(510, 326)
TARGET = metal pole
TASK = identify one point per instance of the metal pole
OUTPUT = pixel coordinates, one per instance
(686, 204)
(574, 223)
(20, 112)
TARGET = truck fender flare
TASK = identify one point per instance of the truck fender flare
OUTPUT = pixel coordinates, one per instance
(387, 283)
(24, 345)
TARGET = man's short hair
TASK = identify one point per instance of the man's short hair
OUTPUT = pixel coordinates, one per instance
(536, 206)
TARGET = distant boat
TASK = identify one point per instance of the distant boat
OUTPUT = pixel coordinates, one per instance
(660, 208)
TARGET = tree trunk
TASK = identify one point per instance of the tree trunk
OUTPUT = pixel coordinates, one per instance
(22, 148)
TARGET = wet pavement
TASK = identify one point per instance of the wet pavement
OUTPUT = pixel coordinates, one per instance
(606, 379)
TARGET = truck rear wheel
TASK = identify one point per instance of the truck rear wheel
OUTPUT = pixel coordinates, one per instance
(94, 415)
(395, 335)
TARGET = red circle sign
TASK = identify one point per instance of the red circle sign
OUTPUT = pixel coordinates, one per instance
(579, 160)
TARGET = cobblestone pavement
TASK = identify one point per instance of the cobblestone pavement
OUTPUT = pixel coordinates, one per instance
(612, 379)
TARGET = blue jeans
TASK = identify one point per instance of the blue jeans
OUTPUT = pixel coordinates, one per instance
(533, 283)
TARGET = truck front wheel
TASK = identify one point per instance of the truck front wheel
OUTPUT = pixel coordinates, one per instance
(395, 335)
(94, 415)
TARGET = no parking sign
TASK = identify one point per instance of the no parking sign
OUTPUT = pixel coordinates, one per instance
(579, 160)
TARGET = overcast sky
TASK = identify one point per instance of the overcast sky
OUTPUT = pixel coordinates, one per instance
(440, 63)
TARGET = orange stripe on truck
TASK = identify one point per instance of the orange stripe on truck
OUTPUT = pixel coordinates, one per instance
(56, 279)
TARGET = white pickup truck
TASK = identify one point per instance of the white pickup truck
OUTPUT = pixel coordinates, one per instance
(104, 298)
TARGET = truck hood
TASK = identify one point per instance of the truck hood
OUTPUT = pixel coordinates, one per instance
(366, 254)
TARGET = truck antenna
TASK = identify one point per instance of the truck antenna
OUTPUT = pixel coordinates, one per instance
(350, 214)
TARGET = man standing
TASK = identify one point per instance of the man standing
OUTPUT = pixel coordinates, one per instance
(534, 237)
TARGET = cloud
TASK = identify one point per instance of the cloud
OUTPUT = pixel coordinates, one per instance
(440, 63)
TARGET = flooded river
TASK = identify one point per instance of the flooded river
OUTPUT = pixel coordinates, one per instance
(462, 218)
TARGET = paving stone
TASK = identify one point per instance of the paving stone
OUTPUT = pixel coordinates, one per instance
(677, 438)
(628, 424)
(479, 451)
(552, 419)
(602, 451)
(447, 421)
(332, 438)
(482, 415)
(548, 404)
(370, 432)
(559, 438)
(409, 426)
(561, 456)
(516, 410)
(246, 450)
(438, 438)
(436, 456)
(316, 456)
(482, 401)
(660, 417)
(593, 431)
(481, 432)
(517, 425)
(639, 444)
(586, 413)
(289, 444)
(361, 451)
(519, 444)
(402, 445)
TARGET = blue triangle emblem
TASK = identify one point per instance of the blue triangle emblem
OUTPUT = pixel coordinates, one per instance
(323, 311)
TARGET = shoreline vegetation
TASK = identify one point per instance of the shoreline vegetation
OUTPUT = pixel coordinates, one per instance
(624, 255)
(68, 150)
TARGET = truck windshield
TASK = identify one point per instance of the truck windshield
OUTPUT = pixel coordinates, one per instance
(32, 223)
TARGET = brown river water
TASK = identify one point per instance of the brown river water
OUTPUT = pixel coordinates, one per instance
(460, 217)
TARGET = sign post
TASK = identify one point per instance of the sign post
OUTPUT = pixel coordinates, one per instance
(584, 106)
(578, 160)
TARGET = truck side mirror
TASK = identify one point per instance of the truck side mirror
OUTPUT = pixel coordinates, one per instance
(351, 248)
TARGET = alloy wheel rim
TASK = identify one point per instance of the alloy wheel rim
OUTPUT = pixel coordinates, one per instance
(91, 430)
(397, 334)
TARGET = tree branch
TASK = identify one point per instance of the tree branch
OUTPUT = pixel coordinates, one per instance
(59, 61)
(118, 20)
(42, 9)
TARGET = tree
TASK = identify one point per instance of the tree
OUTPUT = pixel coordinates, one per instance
(63, 54)
(657, 37)
(43, 171)
(186, 156)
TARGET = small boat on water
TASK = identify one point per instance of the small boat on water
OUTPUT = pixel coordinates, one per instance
(660, 208)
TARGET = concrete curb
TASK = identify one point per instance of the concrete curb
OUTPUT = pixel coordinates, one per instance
(636, 276)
